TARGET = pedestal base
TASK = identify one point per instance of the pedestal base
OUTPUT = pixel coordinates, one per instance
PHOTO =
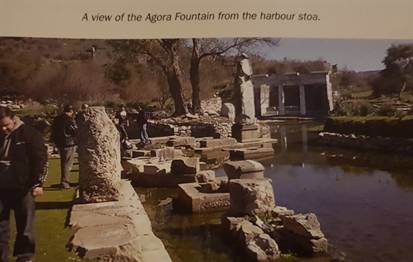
(245, 132)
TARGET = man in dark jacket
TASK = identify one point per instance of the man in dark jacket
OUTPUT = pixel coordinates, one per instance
(142, 121)
(23, 169)
(64, 130)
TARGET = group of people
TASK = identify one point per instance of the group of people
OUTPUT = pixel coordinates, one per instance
(123, 122)
(23, 169)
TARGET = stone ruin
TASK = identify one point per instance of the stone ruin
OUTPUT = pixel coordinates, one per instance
(99, 157)
(108, 220)
(263, 230)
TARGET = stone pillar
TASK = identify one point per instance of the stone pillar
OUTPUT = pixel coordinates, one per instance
(303, 109)
(264, 98)
(99, 157)
(329, 90)
(281, 100)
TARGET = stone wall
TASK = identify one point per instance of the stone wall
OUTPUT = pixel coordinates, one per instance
(115, 231)
(212, 105)
(197, 126)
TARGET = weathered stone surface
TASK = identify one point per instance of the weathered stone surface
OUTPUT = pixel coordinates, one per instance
(157, 168)
(228, 110)
(244, 93)
(263, 248)
(251, 153)
(243, 169)
(192, 198)
(279, 211)
(185, 165)
(166, 153)
(251, 196)
(134, 166)
(214, 154)
(99, 157)
(140, 153)
(183, 141)
(252, 240)
(219, 142)
(162, 180)
(245, 132)
(205, 176)
(303, 232)
(306, 225)
(115, 231)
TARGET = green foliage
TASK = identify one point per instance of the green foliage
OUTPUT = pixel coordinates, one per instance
(398, 73)
(353, 108)
(371, 125)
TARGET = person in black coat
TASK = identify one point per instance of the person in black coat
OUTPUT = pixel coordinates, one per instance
(64, 131)
(23, 170)
(142, 121)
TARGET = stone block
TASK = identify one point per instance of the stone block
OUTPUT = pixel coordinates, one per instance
(245, 132)
(157, 168)
(251, 153)
(140, 153)
(181, 141)
(251, 196)
(166, 153)
(228, 110)
(205, 176)
(244, 169)
(185, 165)
(219, 142)
(192, 198)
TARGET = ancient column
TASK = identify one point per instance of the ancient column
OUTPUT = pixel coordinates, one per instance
(303, 109)
(99, 157)
(281, 99)
(264, 99)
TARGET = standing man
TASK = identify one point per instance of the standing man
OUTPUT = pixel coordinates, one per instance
(122, 123)
(142, 121)
(64, 130)
(23, 169)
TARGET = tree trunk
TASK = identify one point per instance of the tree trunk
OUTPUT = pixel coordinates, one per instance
(194, 77)
(174, 76)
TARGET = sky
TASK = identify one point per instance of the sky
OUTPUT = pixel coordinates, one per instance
(355, 54)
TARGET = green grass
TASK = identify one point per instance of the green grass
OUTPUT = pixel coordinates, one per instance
(51, 214)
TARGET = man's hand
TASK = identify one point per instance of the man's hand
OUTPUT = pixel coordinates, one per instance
(37, 191)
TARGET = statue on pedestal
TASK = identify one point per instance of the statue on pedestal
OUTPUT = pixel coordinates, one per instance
(244, 92)
(244, 128)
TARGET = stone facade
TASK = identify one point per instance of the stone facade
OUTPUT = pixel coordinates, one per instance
(293, 94)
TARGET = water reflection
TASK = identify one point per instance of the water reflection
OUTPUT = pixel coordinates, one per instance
(363, 200)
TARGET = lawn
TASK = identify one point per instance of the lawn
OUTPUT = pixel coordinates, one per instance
(51, 213)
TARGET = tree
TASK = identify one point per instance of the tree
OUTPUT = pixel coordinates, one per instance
(163, 53)
(212, 48)
(397, 75)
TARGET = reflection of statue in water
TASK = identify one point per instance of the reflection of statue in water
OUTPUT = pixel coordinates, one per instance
(244, 92)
